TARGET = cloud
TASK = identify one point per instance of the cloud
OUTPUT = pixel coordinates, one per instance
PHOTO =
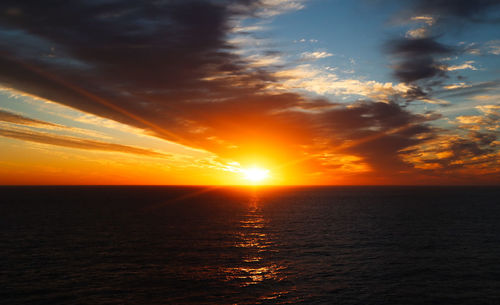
(456, 86)
(376, 131)
(434, 101)
(315, 55)
(475, 91)
(424, 30)
(415, 58)
(463, 158)
(270, 8)
(429, 20)
(10, 117)
(486, 97)
(141, 57)
(466, 65)
(417, 33)
(448, 13)
(469, 150)
(309, 78)
(488, 120)
(79, 143)
(457, 11)
(490, 109)
(171, 69)
(267, 60)
(493, 47)
(417, 47)
(303, 40)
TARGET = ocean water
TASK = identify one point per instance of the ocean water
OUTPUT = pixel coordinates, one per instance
(300, 245)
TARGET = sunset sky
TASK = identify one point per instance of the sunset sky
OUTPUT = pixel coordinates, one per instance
(224, 91)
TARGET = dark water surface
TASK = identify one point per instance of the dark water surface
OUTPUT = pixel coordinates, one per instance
(193, 245)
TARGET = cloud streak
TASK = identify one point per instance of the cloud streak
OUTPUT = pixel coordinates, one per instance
(10, 117)
(72, 142)
(315, 55)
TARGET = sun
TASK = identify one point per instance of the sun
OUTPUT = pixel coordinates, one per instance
(255, 174)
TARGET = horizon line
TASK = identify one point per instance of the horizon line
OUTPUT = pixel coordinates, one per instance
(243, 185)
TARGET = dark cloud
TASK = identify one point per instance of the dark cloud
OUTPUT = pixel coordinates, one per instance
(166, 67)
(476, 11)
(416, 58)
(144, 58)
(377, 131)
(79, 143)
(417, 62)
(477, 145)
(415, 93)
(417, 46)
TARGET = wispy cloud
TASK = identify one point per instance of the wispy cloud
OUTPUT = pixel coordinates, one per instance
(79, 143)
(15, 118)
(493, 47)
(312, 79)
(429, 20)
(315, 55)
(466, 65)
(456, 86)
(270, 8)
(417, 33)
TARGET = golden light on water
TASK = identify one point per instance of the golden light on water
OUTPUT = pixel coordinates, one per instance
(254, 239)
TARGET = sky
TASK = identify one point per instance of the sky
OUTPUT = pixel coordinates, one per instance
(301, 92)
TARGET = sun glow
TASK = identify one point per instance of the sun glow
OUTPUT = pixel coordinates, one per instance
(255, 174)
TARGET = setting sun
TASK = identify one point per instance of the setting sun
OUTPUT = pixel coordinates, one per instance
(255, 174)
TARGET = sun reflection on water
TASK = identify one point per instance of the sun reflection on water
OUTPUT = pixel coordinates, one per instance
(254, 239)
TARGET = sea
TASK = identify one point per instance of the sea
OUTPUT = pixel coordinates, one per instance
(249, 245)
